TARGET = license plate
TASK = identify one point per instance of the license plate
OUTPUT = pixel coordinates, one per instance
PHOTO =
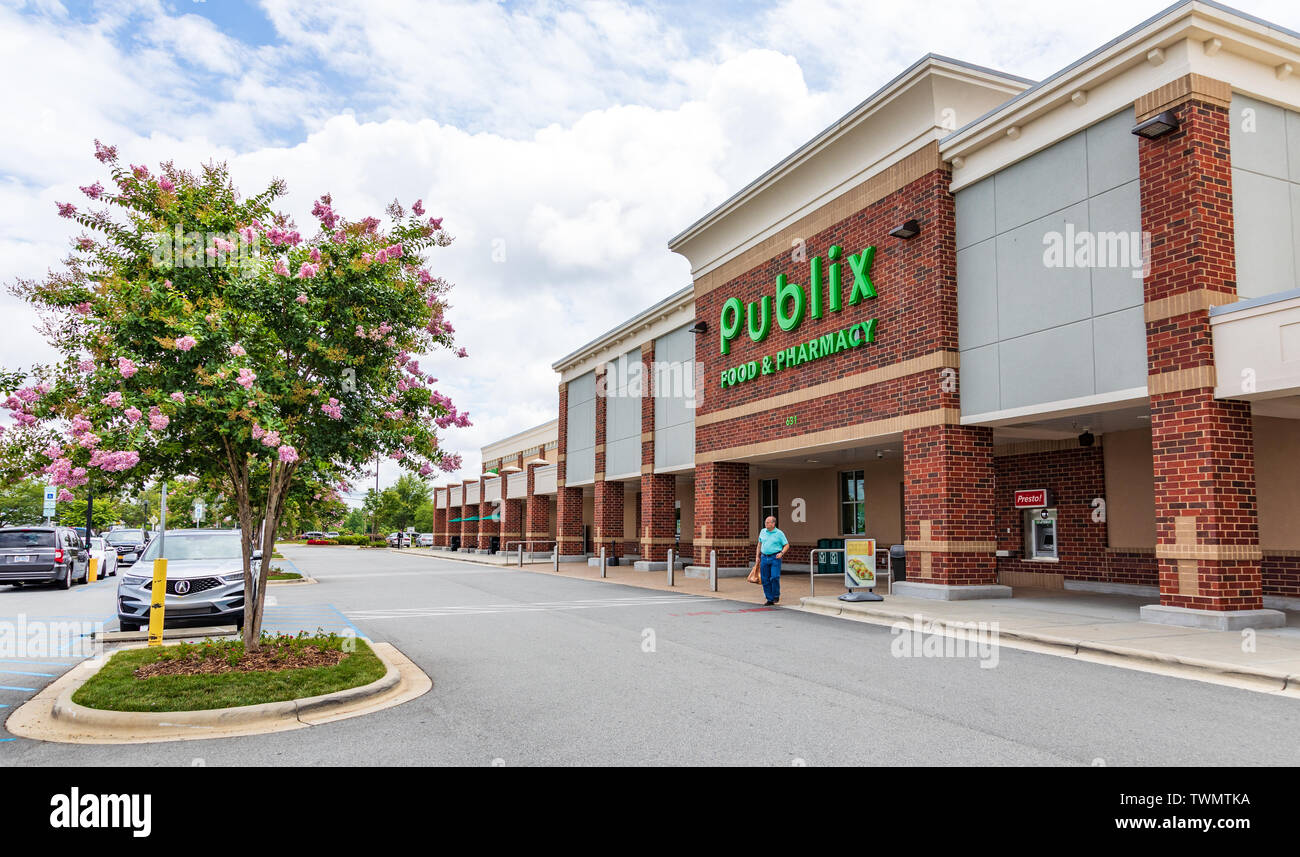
(22, 558)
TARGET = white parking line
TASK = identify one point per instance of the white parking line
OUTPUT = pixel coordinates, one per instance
(536, 607)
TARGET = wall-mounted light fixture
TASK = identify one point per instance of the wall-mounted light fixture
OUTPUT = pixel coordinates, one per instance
(910, 229)
(1157, 126)
(700, 327)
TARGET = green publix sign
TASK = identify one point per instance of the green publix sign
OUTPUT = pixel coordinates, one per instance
(789, 306)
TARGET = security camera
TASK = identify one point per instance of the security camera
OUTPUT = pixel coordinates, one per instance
(1087, 438)
(880, 453)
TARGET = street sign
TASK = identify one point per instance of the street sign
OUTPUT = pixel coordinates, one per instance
(51, 493)
(199, 509)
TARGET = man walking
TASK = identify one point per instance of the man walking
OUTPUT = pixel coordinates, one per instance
(772, 545)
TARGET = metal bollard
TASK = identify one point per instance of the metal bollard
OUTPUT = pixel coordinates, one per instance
(713, 571)
(521, 554)
(555, 559)
(670, 566)
(602, 562)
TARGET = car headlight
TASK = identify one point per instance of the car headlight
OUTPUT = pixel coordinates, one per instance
(236, 577)
(134, 581)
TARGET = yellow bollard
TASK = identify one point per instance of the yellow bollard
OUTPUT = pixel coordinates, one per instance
(92, 574)
(159, 593)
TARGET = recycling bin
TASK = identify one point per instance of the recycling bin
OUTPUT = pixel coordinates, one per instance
(897, 562)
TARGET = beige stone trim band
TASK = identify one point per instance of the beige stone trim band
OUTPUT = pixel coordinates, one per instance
(600, 476)
(538, 535)
(1189, 87)
(874, 189)
(725, 543)
(1219, 553)
(647, 436)
(924, 363)
(1181, 379)
(600, 447)
(559, 482)
(950, 547)
(861, 431)
(1197, 300)
(658, 541)
(647, 468)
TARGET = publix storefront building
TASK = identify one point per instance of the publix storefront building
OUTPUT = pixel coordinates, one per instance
(1037, 333)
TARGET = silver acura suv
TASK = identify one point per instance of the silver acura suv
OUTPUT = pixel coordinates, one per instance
(205, 580)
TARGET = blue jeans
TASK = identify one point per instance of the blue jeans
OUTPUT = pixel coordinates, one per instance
(769, 571)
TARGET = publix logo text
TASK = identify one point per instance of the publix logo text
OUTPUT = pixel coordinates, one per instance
(789, 305)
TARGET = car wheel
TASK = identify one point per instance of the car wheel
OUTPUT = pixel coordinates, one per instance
(67, 580)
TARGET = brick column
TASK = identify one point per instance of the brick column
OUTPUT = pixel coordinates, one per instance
(486, 529)
(949, 501)
(454, 494)
(439, 520)
(1207, 530)
(568, 520)
(468, 529)
(658, 515)
(537, 511)
(722, 514)
(609, 518)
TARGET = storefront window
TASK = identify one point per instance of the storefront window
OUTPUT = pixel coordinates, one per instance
(853, 504)
(768, 504)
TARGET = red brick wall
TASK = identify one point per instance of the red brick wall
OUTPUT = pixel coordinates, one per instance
(568, 521)
(512, 519)
(949, 481)
(916, 310)
(487, 529)
(468, 529)
(1075, 477)
(1203, 448)
(537, 514)
(608, 525)
(722, 514)
(658, 515)
(1281, 575)
(439, 522)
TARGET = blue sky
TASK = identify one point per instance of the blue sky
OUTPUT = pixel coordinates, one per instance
(578, 136)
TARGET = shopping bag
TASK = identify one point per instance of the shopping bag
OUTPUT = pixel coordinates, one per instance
(754, 576)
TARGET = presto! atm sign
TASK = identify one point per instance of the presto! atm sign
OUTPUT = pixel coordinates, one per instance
(789, 304)
(1033, 498)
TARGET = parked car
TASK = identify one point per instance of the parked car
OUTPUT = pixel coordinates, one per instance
(425, 540)
(399, 540)
(313, 534)
(205, 581)
(42, 555)
(129, 544)
(101, 550)
(331, 535)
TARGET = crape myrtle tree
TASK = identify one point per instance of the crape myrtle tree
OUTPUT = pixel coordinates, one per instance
(200, 334)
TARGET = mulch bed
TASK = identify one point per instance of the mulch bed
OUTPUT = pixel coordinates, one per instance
(264, 660)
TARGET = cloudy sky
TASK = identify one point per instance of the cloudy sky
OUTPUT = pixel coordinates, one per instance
(564, 143)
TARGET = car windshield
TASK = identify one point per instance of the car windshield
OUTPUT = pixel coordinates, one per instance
(118, 537)
(183, 545)
(27, 539)
(97, 544)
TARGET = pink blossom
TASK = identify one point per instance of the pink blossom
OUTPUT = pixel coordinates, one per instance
(53, 451)
(281, 268)
(381, 257)
(418, 208)
(141, 172)
(340, 237)
(426, 469)
(104, 154)
(64, 495)
(258, 431)
(315, 254)
(271, 438)
(178, 398)
(398, 455)
(157, 419)
(125, 367)
(80, 424)
(88, 440)
(307, 271)
(66, 209)
(166, 183)
(85, 244)
(133, 414)
(366, 257)
(113, 400)
(435, 222)
(86, 366)
(223, 245)
(408, 439)
(395, 252)
(288, 454)
(333, 410)
(247, 234)
(117, 461)
(82, 308)
(237, 350)
(462, 353)
(94, 191)
(186, 342)
(246, 378)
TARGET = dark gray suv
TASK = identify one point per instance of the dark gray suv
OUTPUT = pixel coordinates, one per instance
(48, 554)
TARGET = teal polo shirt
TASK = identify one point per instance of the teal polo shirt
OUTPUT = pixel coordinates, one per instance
(771, 541)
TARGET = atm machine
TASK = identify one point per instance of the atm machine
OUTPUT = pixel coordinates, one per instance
(1040, 534)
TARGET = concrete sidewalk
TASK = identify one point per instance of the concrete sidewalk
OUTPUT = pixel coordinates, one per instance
(1101, 628)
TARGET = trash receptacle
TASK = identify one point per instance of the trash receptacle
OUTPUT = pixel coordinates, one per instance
(455, 543)
(494, 543)
(897, 562)
(829, 562)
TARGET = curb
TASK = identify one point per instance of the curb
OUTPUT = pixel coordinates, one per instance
(51, 715)
(302, 581)
(1272, 681)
